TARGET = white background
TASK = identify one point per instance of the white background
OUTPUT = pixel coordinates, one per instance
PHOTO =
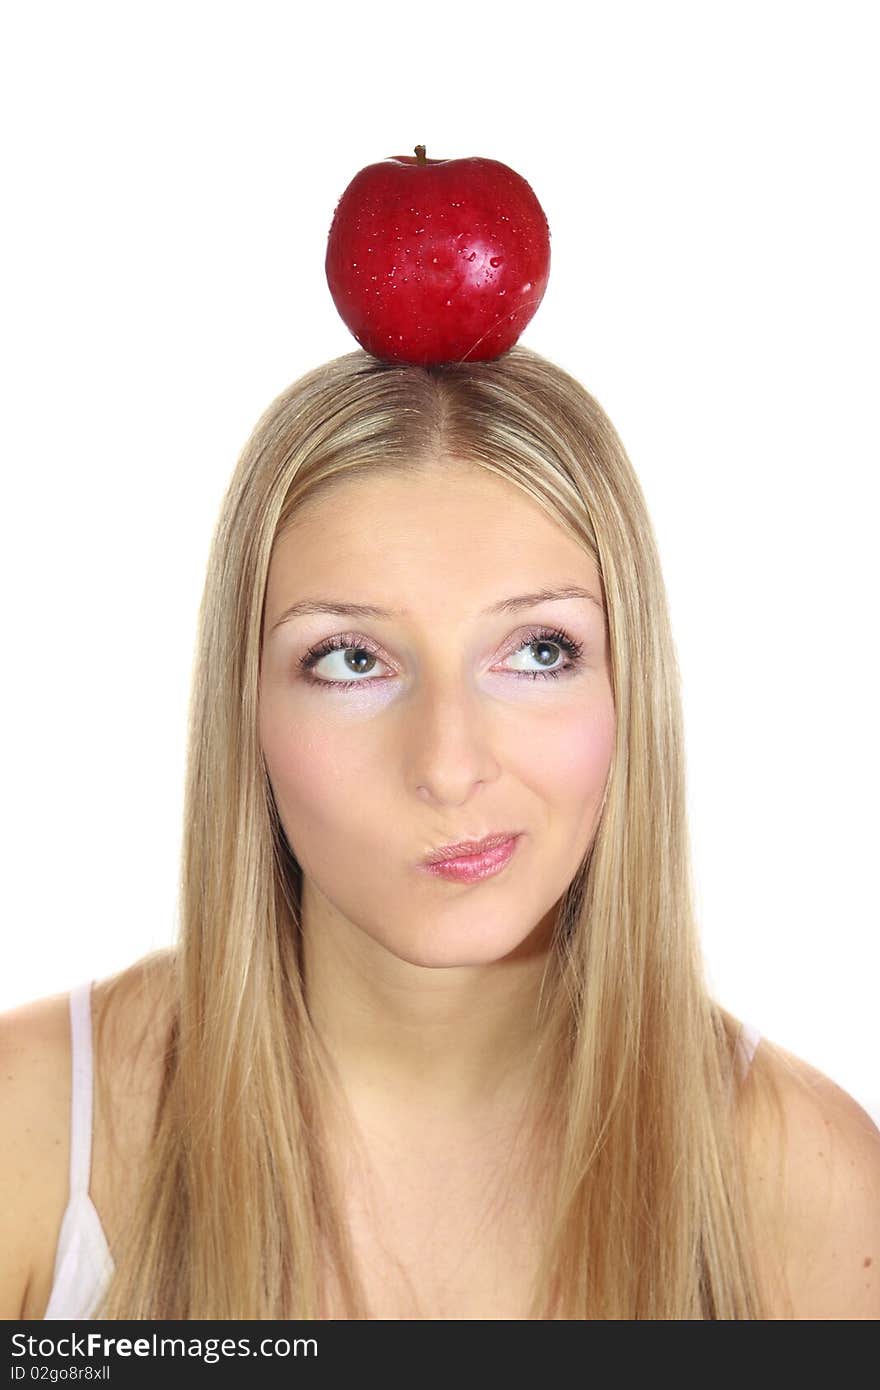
(709, 173)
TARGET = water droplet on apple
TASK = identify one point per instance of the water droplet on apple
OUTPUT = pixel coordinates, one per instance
(448, 302)
(354, 265)
(472, 256)
(500, 292)
(527, 286)
(495, 262)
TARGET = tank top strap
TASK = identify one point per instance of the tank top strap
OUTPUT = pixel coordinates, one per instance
(81, 1088)
(747, 1045)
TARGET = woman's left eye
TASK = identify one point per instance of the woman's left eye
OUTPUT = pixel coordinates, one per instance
(538, 644)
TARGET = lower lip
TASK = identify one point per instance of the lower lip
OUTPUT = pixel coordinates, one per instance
(472, 867)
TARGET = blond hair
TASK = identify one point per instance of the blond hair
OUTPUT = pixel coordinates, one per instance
(237, 1216)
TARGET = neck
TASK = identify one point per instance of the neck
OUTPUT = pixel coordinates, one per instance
(463, 1041)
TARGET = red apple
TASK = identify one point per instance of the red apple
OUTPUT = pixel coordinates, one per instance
(437, 260)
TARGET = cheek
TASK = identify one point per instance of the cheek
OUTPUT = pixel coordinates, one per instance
(570, 764)
(321, 793)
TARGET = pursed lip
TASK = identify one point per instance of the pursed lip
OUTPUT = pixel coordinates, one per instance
(469, 848)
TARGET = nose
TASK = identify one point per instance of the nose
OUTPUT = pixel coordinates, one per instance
(451, 741)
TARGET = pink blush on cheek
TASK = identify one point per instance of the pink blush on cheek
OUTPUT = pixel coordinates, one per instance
(576, 753)
(583, 750)
(319, 790)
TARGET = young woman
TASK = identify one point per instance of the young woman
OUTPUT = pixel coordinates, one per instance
(360, 1085)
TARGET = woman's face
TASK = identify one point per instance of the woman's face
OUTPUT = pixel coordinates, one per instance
(449, 730)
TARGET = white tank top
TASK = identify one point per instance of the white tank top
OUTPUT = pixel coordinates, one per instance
(83, 1263)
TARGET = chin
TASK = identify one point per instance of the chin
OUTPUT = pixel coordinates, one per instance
(470, 945)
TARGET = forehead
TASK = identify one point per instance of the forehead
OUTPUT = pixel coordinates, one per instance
(432, 537)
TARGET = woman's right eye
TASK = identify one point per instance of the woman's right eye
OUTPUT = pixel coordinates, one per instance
(352, 659)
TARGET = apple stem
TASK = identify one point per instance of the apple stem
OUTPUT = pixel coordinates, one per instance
(420, 154)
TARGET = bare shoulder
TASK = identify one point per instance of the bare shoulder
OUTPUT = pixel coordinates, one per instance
(35, 1099)
(131, 1012)
(131, 1015)
(813, 1168)
(34, 1096)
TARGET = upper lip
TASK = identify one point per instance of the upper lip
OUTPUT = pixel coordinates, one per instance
(469, 847)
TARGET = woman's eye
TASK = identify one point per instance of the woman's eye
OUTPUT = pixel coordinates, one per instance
(548, 655)
(343, 662)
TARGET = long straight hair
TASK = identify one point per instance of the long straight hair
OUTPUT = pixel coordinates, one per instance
(237, 1215)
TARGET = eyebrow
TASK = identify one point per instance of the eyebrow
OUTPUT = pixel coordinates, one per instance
(369, 610)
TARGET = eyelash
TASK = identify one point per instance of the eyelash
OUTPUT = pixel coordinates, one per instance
(349, 642)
